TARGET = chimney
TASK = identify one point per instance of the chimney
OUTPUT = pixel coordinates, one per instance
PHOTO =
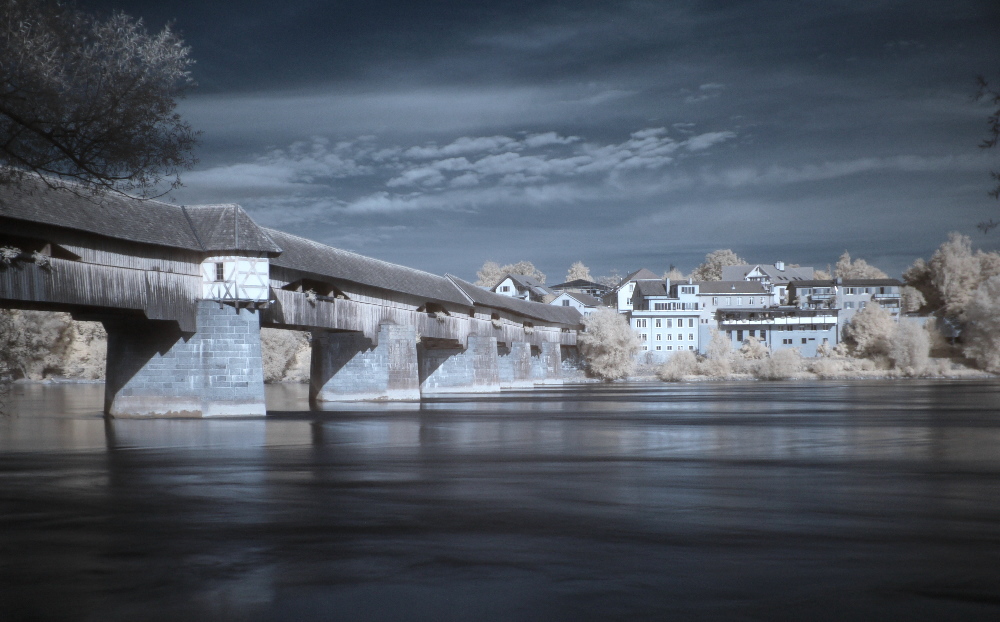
(780, 265)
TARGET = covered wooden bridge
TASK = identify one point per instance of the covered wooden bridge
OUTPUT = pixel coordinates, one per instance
(184, 290)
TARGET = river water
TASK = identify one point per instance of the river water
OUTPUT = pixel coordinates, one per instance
(863, 500)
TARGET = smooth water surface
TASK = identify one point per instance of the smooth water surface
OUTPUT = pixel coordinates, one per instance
(714, 501)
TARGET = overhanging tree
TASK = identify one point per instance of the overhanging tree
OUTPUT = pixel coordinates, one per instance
(91, 100)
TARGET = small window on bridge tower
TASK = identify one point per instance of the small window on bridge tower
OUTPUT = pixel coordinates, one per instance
(220, 271)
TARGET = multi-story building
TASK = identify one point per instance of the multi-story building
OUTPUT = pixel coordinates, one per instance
(781, 328)
(679, 316)
(848, 296)
(620, 297)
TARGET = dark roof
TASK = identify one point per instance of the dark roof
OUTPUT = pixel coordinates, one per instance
(524, 281)
(648, 287)
(537, 310)
(207, 229)
(733, 273)
(730, 287)
(641, 273)
(228, 227)
(318, 259)
(584, 299)
(849, 283)
(581, 283)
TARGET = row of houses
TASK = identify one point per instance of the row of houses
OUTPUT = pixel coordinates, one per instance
(780, 306)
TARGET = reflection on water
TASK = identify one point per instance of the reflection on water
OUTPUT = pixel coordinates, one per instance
(709, 501)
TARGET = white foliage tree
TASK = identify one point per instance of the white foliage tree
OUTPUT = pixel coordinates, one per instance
(858, 269)
(909, 348)
(711, 269)
(608, 345)
(870, 331)
(492, 273)
(578, 271)
(981, 336)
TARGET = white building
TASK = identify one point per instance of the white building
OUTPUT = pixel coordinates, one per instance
(584, 303)
(620, 298)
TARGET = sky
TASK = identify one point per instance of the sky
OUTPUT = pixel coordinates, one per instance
(440, 135)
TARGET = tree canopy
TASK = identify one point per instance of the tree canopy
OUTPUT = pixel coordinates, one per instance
(91, 100)
(858, 269)
(711, 270)
(578, 271)
(492, 273)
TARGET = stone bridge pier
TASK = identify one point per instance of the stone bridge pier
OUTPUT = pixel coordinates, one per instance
(546, 364)
(348, 366)
(448, 368)
(155, 370)
(515, 365)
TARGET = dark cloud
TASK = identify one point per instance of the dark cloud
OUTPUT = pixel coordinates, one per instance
(442, 134)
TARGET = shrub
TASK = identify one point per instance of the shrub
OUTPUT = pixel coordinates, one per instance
(680, 365)
(910, 348)
(781, 365)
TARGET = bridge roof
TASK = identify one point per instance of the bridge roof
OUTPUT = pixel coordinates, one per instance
(540, 311)
(212, 228)
(308, 256)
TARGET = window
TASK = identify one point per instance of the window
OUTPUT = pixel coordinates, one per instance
(786, 342)
(640, 323)
(670, 323)
(739, 301)
(739, 335)
(690, 322)
(659, 323)
(715, 301)
(659, 348)
(505, 288)
(670, 348)
(848, 305)
(861, 305)
(644, 348)
(763, 334)
(751, 301)
(659, 306)
(220, 271)
(687, 289)
(729, 301)
(644, 337)
(659, 337)
(753, 333)
(690, 336)
(804, 340)
(565, 303)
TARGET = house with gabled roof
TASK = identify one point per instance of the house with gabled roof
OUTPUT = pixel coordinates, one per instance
(777, 276)
(620, 297)
(584, 303)
(847, 295)
(523, 287)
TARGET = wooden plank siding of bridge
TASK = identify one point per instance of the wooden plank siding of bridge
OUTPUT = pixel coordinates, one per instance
(113, 255)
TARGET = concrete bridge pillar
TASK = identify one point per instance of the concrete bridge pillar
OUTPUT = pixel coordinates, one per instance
(154, 370)
(474, 369)
(515, 366)
(546, 365)
(349, 367)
